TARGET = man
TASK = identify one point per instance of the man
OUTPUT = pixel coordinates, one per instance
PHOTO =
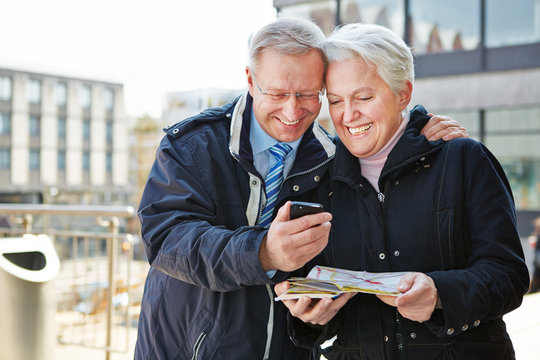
(208, 202)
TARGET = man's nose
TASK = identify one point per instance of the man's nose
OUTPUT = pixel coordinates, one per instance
(292, 108)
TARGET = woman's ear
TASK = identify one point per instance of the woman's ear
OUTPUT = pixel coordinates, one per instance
(405, 95)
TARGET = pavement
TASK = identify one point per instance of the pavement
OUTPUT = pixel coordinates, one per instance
(523, 325)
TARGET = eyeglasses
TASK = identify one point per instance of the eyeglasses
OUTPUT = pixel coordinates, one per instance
(308, 98)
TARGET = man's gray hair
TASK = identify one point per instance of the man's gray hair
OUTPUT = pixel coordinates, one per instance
(287, 36)
(378, 46)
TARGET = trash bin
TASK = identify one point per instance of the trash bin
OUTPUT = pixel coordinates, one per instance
(27, 297)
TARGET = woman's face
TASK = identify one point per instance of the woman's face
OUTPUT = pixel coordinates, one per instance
(364, 110)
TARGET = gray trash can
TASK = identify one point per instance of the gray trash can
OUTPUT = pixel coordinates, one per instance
(27, 298)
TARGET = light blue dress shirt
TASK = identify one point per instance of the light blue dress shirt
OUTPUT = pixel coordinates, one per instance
(261, 142)
(263, 159)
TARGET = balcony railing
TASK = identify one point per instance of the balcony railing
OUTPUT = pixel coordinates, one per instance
(99, 286)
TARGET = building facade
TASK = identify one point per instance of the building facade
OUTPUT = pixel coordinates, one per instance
(62, 140)
(477, 61)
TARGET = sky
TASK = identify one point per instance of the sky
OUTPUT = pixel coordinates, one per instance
(152, 47)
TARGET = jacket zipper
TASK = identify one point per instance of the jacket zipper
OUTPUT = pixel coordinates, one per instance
(263, 191)
(197, 345)
(309, 170)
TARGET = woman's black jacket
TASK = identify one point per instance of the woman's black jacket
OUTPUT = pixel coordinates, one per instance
(444, 209)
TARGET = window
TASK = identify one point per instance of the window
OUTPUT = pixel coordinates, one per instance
(323, 13)
(108, 161)
(444, 26)
(5, 124)
(109, 130)
(34, 160)
(86, 161)
(5, 159)
(108, 99)
(86, 97)
(512, 25)
(61, 94)
(61, 160)
(388, 13)
(86, 129)
(513, 135)
(61, 127)
(5, 88)
(34, 125)
(33, 91)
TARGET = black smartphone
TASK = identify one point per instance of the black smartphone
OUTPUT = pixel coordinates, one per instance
(301, 208)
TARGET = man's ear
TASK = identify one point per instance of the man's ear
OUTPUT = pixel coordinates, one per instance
(249, 75)
(405, 95)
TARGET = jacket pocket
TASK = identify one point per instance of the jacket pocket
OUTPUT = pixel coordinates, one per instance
(197, 346)
(203, 337)
(445, 229)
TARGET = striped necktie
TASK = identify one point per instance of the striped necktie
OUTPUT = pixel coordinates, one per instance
(273, 182)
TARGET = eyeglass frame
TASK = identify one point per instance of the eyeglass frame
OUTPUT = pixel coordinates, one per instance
(320, 93)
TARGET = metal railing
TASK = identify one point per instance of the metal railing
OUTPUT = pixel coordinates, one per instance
(94, 290)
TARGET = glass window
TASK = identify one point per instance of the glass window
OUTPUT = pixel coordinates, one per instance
(109, 130)
(518, 23)
(5, 123)
(5, 88)
(108, 99)
(323, 13)
(86, 129)
(61, 160)
(108, 160)
(444, 26)
(34, 159)
(61, 127)
(61, 94)
(5, 159)
(35, 125)
(86, 96)
(388, 13)
(513, 135)
(33, 91)
(86, 160)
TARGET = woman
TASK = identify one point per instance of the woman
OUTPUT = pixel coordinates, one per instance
(442, 211)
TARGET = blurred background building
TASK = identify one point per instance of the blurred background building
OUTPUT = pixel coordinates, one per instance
(62, 140)
(477, 61)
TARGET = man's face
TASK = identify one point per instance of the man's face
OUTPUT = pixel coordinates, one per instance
(286, 118)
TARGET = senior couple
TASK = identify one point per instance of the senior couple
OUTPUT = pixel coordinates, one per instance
(400, 197)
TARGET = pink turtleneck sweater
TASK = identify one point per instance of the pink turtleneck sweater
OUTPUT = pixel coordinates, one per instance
(372, 166)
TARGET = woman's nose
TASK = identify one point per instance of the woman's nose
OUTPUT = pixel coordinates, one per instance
(350, 112)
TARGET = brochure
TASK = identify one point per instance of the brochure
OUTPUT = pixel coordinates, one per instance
(323, 281)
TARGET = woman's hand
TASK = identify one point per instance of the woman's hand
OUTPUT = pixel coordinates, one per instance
(313, 311)
(418, 297)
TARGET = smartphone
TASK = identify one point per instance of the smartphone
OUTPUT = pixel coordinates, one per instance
(300, 208)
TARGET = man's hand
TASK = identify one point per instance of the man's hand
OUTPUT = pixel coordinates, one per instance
(314, 311)
(290, 244)
(443, 127)
(418, 297)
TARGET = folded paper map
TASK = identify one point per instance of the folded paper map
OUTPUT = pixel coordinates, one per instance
(322, 282)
